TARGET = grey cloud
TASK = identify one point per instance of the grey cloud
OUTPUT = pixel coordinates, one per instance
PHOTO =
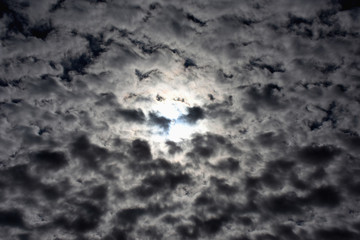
(12, 218)
(49, 160)
(140, 150)
(325, 196)
(228, 165)
(194, 114)
(173, 147)
(348, 5)
(212, 141)
(89, 154)
(159, 121)
(153, 184)
(335, 233)
(318, 154)
(195, 20)
(268, 97)
(131, 115)
(145, 75)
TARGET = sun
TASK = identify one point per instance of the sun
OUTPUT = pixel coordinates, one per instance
(179, 129)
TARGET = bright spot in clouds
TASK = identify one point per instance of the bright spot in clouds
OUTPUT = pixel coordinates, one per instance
(170, 109)
(179, 129)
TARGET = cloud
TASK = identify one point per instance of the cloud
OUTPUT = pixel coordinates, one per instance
(89, 154)
(268, 97)
(12, 218)
(131, 115)
(264, 95)
(159, 121)
(173, 147)
(49, 160)
(318, 154)
(140, 150)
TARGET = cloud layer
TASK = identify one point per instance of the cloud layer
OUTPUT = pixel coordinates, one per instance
(179, 120)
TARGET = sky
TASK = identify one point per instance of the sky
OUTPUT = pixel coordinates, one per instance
(126, 120)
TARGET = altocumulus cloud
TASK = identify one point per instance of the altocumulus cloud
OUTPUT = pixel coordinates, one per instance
(179, 119)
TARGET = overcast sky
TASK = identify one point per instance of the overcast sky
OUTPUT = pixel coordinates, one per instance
(180, 120)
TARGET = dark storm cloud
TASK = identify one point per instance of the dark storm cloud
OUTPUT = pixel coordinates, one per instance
(270, 89)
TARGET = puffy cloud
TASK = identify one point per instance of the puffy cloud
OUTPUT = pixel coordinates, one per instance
(179, 120)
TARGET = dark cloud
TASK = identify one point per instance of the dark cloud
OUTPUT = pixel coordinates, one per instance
(159, 121)
(286, 232)
(173, 147)
(269, 97)
(75, 64)
(59, 4)
(189, 63)
(158, 183)
(86, 217)
(116, 234)
(145, 75)
(207, 145)
(222, 187)
(335, 233)
(131, 115)
(187, 231)
(49, 160)
(130, 215)
(348, 5)
(257, 63)
(228, 165)
(13, 218)
(316, 155)
(42, 30)
(194, 114)
(284, 204)
(89, 154)
(195, 20)
(269, 139)
(325, 196)
(140, 150)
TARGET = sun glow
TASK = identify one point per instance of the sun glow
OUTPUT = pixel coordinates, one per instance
(178, 129)
(171, 110)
